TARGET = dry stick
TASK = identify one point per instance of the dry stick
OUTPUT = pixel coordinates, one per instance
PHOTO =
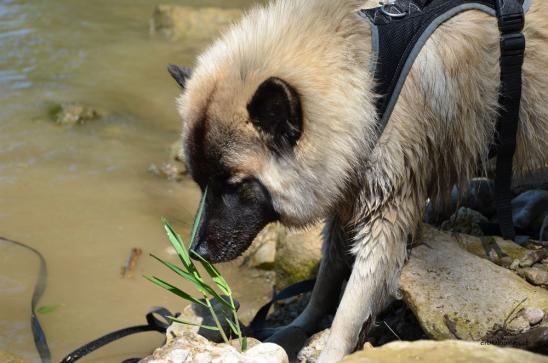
(393, 332)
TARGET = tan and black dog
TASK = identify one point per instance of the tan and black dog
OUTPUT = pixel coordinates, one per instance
(279, 123)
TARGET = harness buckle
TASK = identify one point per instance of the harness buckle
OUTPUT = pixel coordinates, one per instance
(389, 10)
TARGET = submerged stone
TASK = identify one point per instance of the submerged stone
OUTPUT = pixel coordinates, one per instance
(73, 113)
(182, 22)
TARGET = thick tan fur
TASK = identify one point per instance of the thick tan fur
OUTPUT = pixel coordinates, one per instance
(372, 193)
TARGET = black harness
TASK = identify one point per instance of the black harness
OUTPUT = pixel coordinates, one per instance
(400, 29)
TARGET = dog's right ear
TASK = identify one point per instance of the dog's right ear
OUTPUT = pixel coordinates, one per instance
(180, 74)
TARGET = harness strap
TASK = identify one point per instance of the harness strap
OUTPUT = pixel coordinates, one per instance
(512, 47)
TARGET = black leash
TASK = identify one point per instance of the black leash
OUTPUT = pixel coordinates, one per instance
(512, 47)
(37, 332)
(157, 319)
(153, 324)
(256, 328)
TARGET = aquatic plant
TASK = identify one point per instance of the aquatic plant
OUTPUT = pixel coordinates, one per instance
(190, 273)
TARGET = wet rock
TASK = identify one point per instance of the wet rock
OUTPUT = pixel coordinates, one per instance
(455, 294)
(313, 347)
(183, 22)
(534, 275)
(529, 211)
(200, 315)
(465, 220)
(174, 168)
(73, 113)
(297, 256)
(531, 257)
(533, 315)
(428, 351)
(193, 348)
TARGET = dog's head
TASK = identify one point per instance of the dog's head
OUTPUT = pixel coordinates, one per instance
(272, 139)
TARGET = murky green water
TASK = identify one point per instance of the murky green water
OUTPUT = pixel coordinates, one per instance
(82, 195)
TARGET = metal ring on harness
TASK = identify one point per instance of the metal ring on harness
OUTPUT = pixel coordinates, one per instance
(385, 11)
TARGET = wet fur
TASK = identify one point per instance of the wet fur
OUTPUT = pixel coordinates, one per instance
(372, 192)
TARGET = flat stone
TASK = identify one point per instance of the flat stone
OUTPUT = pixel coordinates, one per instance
(447, 351)
(455, 294)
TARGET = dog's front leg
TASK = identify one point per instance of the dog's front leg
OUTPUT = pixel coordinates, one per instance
(380, 250)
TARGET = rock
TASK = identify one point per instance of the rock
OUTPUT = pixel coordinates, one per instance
(465, 220)
(184, 22)
(529, 211)
(534, 275)
(495, 249)
(313, 347)
(533, 315)
(447, 351)
(518, 325)
(198, 314)
(193, 348)
(73, 113)
(175, 168)
(297, 256)
(262, 253)
(531, 257)
(455, 294)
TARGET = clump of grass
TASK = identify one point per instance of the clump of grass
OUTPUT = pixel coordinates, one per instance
(190, 273)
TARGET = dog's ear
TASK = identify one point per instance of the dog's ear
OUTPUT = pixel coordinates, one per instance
(180, 74)
(275, 110)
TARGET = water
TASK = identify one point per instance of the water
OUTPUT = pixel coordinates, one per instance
(82, 195)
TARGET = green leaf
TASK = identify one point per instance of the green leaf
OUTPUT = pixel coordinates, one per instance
(198, 218)
(214, 274)
(208, 327)
(175, 290)
(243, 344)
(177, 243)
(233, 327)
(46, 309)
(198, 282)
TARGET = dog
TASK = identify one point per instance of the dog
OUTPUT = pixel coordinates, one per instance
(279, 124)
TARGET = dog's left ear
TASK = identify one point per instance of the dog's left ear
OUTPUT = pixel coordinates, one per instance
(180, 74)
(275, 110)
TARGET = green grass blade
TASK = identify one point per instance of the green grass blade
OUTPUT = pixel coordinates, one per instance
(243, 344)
(233, 327)
(197, 281)
(175, 290)
(214, 274)
(208, 327)
(198, 218)
(177, 243)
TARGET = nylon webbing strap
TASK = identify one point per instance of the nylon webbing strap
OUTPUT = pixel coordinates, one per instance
(512, 47)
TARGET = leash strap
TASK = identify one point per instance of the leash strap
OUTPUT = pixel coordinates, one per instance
(153, 324)
(38, 335)
(512, 48)
(256, 328)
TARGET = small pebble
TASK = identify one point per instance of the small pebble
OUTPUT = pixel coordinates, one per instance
(533, 315)
(514, 265)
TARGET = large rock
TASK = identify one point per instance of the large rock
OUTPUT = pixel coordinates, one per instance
(297, 255)
(193, 348)
(184, 22)
(447, 351)
(455, 294)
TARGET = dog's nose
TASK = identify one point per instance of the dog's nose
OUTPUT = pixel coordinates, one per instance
(202, 250)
